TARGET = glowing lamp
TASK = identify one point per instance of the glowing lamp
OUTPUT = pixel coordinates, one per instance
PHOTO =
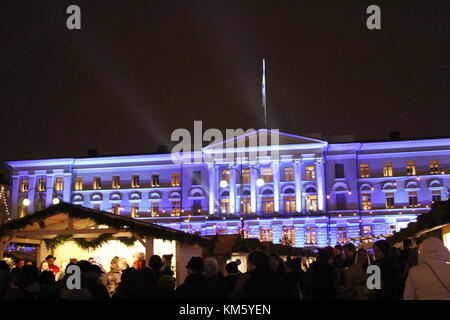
(260, 182)
(26, 202)
(223, 183)
(55, 200)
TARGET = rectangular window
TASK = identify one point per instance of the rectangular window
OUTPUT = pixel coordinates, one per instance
(364, 170)
(176, 209)
(135, 211)
(410, 168)
(41, 184)
(390, 203)
(367, 231)
(436, 196)
(246, 176)
(245, 206)
(412, 197)
(97, 183)
(155, 180)
(23, 210)
(267, 175)
(196, 178)
(387, 169)
(311, 203)
(24, 185)
(339, 170)
(434, 166)
(115, 182)
(116, 209)
(342, 234)
(225, 206)
(267, 205)
(226, 176)
(59, 184)
(340, 201)
(310, 236)
(155, 210)
(288, 237)
(135, 181)
(310, 173)
(366, 201)
(175, 180)
(78, 183)
(265, 235)
(197, 206)
(289, 204)
(288, 174)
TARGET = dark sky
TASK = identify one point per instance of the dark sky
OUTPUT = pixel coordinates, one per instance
(140, 69)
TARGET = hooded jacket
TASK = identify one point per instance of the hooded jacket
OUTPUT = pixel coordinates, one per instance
(421, 283)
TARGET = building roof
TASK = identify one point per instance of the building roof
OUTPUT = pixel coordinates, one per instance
(82, 222)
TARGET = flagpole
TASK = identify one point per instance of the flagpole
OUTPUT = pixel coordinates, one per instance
(263, 87)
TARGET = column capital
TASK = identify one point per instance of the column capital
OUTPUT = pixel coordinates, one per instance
(298, 162)
(319, 161)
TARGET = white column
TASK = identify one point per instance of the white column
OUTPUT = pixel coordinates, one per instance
(276, 185)
(320, 177)
(31, 193)
(14, 197)
(212, 187)
(298, 184)
(67, 187)
(232, 189)
(253, 189)
(50, 189)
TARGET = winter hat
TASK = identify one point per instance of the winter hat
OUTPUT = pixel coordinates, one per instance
(232, 267)
(196, 264)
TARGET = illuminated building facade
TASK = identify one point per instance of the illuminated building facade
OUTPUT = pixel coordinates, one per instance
(315, 193)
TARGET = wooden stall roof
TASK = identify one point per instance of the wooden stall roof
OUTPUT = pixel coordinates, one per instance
(82, 222)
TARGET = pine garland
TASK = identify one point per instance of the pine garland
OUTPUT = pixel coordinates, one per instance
(88, 244)
(56, 241)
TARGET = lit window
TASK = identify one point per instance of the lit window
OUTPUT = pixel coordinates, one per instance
(175, 180)
(289, 204)
(155, 210)
(412, 197)
(59, 184)
(310, 235)
(364, 170)
(310, 173)
(390, 202)
(411, 168)
(342, 234)
(196, 178)
(78, 183)
(155, 180)
(115, 182)
(366, 201)
(135, 181)
(246, 176)
(176, 209)
(267, 205)
(135, 211)
(116, 209)
(288, 174)
(387, 170)
(265, 235)
(225, 206)
(41, 184)
(436, 196)
(245, 205)
(23, 210)
(288, 237)
(434, 166)
(24, 185)
(267, 175)
(97, 183)
(367, 230)
(226, 175)
(311, 203)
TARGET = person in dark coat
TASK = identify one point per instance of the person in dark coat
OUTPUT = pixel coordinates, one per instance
(166, 287)
(296, 277)
(232, 273)
(391, 285)
(349, 255)
(196, 286)
(127, 288)
(322, 282)
(146, 288)
(155, 263)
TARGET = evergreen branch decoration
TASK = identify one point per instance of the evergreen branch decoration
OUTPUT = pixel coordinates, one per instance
(56, 241)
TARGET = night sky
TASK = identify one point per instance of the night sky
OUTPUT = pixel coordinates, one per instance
(137, 70)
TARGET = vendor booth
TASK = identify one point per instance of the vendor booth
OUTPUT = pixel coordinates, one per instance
(74, 232)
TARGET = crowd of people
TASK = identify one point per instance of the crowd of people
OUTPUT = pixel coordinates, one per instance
(420, 272)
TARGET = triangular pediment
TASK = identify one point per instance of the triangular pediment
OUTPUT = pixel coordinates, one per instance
(256, 138)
